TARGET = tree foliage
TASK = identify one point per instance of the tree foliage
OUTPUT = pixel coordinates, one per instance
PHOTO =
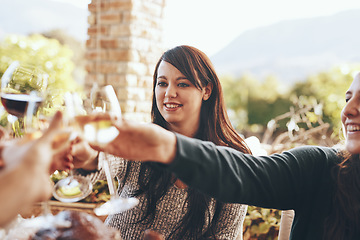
(252, 104)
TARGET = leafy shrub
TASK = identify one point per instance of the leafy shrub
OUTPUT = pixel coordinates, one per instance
(261, 223)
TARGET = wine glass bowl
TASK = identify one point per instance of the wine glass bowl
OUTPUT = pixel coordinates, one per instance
(23, 88)
(97, 132)
(17, 104)
(21, 84)
(104, 99)
(23, 78)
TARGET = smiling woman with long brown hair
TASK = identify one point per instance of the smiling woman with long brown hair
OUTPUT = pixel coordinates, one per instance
(187, 99)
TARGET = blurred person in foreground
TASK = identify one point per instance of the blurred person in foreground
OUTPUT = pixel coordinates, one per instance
(187, 99)
(320, 183)
(26, 165)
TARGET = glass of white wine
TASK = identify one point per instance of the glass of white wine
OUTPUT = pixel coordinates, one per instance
(102, 132)
(74, 187)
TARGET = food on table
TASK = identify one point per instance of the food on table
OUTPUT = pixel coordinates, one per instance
(66, 225)
(70, 191)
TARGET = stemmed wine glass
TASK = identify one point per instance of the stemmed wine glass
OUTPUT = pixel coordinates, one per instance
(74, 187)
(23, 89)
(101, 132)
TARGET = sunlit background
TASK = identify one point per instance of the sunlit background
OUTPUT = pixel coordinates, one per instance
(279, 47)
(284, 65)
(207, 24)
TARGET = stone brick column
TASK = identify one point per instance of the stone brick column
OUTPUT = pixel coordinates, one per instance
(125, 42)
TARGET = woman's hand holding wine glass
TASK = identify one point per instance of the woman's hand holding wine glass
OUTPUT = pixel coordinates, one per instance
(101, 132)
(27, 165)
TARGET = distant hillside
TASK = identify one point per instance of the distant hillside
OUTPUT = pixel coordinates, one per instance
(29, 16)
(293, 49)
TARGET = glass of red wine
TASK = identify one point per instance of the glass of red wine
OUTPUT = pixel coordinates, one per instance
(23, 89)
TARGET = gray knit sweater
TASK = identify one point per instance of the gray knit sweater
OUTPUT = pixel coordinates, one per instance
(170, 209)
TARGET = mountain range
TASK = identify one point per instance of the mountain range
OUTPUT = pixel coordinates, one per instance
(294, 49)
(290, 50)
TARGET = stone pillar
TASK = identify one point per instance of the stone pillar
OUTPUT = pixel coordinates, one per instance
(125, 42)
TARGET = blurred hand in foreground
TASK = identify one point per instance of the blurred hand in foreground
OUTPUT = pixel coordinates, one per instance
(83, 155)
(24, 178)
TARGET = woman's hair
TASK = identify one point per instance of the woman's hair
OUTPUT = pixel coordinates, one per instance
(215, 126)
(344, 219)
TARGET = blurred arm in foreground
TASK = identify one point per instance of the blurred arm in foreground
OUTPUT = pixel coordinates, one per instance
(27, 165)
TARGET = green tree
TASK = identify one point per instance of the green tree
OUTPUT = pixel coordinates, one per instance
(267, 101)
(236, 95)
(251, 103)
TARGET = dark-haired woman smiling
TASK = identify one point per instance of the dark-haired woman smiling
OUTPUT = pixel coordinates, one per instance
(187, 99)
(321, 184)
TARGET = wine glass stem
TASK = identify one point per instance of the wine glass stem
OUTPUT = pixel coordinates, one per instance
(109, 178)
(11, 127)
(46, 208)
(71, 173)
